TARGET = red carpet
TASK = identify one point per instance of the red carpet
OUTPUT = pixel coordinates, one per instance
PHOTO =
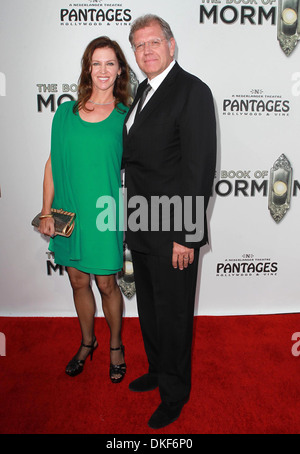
(245, 379)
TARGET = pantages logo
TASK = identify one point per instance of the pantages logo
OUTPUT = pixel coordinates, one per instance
(276, 185)
(256, 103)
(95, 13)
(257, 12)
(247, 266)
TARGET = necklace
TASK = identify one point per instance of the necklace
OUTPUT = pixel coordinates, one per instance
(101, 104)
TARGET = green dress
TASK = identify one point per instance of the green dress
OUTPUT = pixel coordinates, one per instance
(86, 162)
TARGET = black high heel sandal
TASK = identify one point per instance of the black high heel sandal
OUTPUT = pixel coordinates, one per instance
(75, 366)
(117, 369)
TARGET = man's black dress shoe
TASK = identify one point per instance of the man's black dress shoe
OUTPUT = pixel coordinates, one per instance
(165, 414)
(146, 382)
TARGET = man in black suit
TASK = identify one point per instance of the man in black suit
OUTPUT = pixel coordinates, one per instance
(169, 155)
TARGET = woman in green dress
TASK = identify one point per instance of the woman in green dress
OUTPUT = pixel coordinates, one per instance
(84, 165)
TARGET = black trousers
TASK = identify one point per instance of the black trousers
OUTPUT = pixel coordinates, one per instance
(165, 301)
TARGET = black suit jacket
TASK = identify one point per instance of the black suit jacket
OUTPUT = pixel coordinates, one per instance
(170, 150)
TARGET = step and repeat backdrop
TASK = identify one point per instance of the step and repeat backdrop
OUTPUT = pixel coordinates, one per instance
(247, 51)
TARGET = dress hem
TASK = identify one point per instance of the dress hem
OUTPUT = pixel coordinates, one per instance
(97, 272)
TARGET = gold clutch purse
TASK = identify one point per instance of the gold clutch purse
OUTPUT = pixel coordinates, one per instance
(64, 221)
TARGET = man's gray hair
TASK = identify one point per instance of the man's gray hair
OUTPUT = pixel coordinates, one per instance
(146, 21)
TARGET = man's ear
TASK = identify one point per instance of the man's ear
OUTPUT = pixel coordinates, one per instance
(172, 44)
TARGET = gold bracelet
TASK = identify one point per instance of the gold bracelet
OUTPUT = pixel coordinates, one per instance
(44, 216)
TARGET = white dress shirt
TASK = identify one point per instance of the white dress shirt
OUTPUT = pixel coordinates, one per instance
(155, 83)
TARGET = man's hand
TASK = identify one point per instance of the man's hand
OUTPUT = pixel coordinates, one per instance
(182, 256)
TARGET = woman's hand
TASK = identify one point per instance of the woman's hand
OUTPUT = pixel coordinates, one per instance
(47, 227)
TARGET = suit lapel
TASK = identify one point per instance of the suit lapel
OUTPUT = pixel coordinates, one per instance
(135, 101)
(136, 98)
(154, 101)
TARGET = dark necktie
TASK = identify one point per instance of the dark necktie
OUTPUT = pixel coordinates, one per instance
(142, 99)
